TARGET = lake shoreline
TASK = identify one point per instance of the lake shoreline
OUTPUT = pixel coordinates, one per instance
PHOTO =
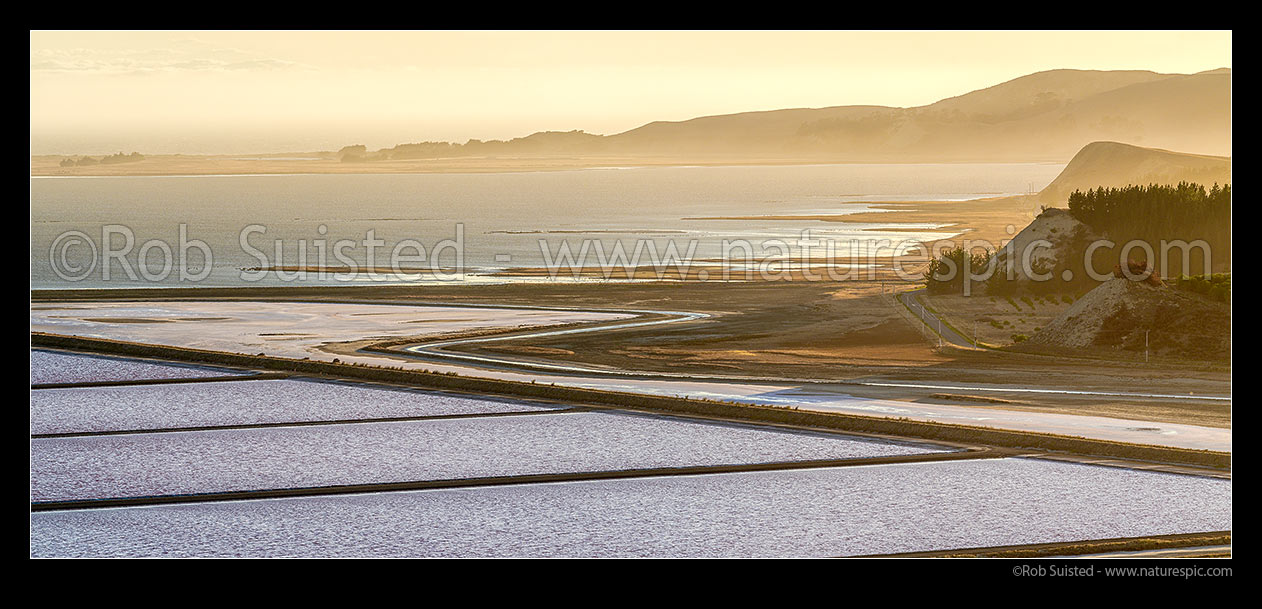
(234, 165)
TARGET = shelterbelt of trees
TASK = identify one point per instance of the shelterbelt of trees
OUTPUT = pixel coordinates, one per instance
(1160, 216)
(1155, 212)
(1176, 230)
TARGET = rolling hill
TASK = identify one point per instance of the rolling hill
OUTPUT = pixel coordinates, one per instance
(1114, 164)
(1043, 116)
(1046, 116)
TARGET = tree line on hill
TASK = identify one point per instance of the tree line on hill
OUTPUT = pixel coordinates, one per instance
(1216, 286)
(1154, 212)
(1187, 219)
(112, 159)
(1157, 214)
(547, 142)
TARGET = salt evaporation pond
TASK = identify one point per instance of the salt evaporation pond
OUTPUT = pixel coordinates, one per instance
(60, 367)
(819, 512)
(94, 467)
(94, 409)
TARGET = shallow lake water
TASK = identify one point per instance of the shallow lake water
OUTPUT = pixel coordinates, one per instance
(288, 329)
(819, 512)
(131, 465)
(498, 219)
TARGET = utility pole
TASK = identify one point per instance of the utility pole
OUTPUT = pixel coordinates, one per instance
(1145, 346)
(939, 331)
(975, 345)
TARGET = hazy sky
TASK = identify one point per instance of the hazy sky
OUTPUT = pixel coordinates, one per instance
(234, 92)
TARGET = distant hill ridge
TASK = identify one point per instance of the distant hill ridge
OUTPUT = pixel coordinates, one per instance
(1113, 164)
(1046, 116)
